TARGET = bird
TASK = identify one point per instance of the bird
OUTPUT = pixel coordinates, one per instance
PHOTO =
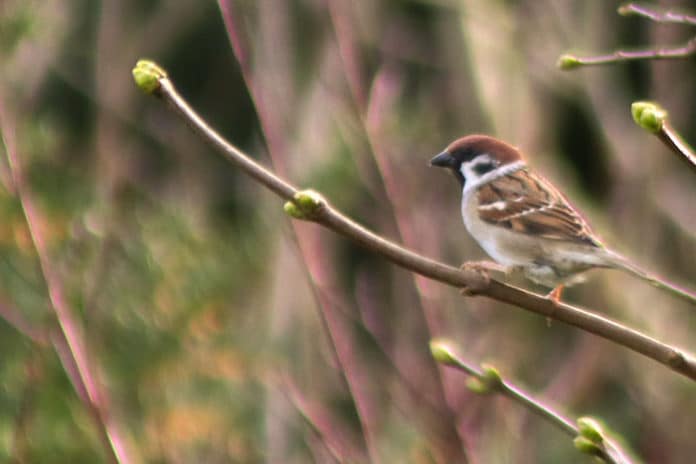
(524, 223)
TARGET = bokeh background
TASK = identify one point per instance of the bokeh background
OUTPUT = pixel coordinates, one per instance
(219, 331)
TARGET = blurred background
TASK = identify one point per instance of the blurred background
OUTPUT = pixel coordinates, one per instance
(219, 331)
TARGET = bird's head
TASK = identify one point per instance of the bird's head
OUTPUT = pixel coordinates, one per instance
(473, 156)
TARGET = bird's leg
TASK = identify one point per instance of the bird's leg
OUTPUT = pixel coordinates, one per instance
(555, 294)
(555, 297)
(487, 266)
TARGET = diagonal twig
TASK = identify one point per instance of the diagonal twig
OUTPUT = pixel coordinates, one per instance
(487, 379)
(311, 206)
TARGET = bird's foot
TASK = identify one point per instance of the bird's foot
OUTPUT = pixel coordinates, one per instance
(555, 297)
(482, 270)
(487, 266)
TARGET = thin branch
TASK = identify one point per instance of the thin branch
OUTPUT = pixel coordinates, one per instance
(674, 142)
(68, 339)
(653, 118)
(16, 319)
(487, 379)
(665, 16)
(569, 61)
(339, 440)
(312, 207)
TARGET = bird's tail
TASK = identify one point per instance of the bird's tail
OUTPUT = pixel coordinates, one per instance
(621, 262)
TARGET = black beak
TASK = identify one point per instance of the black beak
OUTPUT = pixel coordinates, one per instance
(443, 160)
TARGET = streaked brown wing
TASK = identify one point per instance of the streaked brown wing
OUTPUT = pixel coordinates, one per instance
(527, 203)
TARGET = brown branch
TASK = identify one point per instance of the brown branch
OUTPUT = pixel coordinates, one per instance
(310, 206)
(674, 142)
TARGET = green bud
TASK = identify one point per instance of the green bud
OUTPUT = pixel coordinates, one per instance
(591, 429)
(305, 204)
(491, 376)
(625, 10)
(477, 385)
(309, 200)
(648, 115)
(587, 446)
(442, 352)
(147, 76)
(292, 210)
(567, 62)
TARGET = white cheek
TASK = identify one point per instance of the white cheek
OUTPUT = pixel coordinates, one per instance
(467, 168)
(471, 177)
(464, 169)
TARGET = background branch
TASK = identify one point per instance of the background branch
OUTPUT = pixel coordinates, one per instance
(570, 61)
(665, 16)
(487, 380)
(67, 338)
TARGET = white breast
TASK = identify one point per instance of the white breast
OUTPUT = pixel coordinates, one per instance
(504, 246)
(546, 262)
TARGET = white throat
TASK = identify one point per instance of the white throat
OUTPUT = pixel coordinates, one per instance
(473, 180)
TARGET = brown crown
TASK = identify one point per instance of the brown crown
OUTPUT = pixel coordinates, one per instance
(467, 148)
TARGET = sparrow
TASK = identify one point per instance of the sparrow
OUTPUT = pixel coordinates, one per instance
(524, 223)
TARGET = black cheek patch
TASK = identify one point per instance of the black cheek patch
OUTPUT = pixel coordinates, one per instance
(483, 168)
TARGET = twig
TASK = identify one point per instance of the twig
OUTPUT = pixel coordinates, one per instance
(653, 118)
(487, 379)
(67, 339)
(569, 61)
(666, 16)
(674, 142)
(309, 205)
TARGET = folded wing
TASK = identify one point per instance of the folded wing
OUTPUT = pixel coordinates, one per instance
(527, 203)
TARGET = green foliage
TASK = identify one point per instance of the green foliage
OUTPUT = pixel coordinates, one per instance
(18, 23)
